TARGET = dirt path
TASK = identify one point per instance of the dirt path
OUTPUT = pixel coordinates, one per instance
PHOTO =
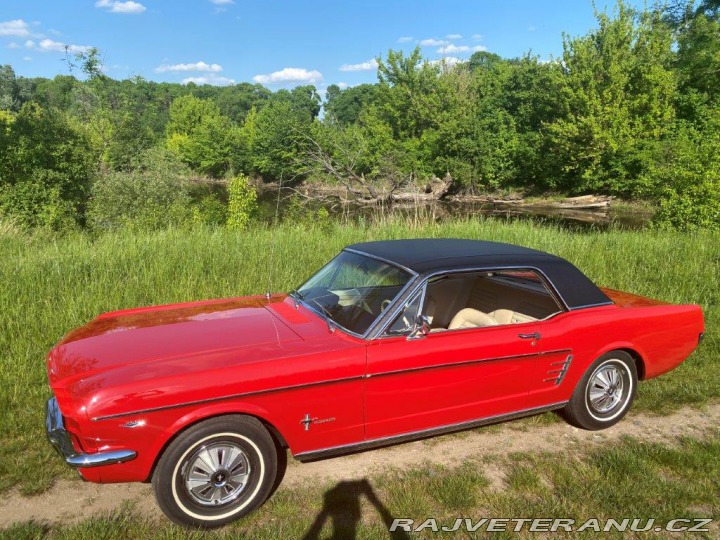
(70, 501)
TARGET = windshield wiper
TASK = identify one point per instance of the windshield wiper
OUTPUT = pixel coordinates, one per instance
(325, 314)
(296, 296)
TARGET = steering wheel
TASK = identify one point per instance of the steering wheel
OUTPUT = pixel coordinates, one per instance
(384, 304)
(361, 301)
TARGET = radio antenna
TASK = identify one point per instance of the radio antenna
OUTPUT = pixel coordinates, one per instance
(271, 264)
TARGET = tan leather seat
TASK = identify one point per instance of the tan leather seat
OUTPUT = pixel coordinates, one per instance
(471, 318)
(507, 316)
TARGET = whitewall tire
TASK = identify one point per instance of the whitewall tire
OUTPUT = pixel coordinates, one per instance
(216, 471)
(605, 393)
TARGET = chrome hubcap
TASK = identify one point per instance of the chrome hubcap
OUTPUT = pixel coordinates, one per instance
(216, 474)
(606, 389)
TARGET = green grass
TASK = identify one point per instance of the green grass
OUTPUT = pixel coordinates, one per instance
(630, 479)
(51, 285)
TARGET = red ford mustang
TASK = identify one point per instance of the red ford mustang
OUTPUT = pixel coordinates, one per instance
(390, 341)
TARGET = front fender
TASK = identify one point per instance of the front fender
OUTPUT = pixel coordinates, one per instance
(148, 434)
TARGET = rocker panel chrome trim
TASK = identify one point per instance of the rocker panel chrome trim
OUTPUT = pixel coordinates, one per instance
(324, 453)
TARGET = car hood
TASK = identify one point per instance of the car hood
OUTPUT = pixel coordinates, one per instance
(144, 337)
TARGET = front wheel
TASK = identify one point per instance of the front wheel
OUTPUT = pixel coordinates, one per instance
(216, 472)
(604, 394)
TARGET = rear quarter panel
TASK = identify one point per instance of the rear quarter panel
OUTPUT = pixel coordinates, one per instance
(660, 335)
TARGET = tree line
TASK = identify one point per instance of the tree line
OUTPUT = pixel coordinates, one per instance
(630, 109)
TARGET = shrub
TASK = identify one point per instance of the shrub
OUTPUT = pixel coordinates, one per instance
(687, 170)
(242, 202)
(209, 210)
(695, 207)
(155, 194)
(35, 204)
(47, 163)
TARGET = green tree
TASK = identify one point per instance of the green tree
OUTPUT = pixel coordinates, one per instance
(698, 58)
(619, 90)
(407, 95)
(200, 135)
(47, 168)
(346, 106)
(8, 89)
(278, 132)
(242, 203)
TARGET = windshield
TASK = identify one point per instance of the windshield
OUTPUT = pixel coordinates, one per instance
(352, 290)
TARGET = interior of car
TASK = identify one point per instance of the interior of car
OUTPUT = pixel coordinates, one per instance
(481, 299)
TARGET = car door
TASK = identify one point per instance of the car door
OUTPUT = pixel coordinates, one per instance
(447, 377)
(557, 369)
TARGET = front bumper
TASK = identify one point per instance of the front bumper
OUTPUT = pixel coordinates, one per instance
(60, 439)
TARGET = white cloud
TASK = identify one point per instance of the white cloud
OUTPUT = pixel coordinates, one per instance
(369, 65)
(479, 48)
(447, 61)
(431, 42)
(222, 2)
(18, 28)
(197, 66)
(13, 45)
(477, 37)
(27, 58)
(342, 85)
(453, 49)
(405, 39)
(290, 75)
(48, 45)
(115, 6)
(453, 36)
(210, 79)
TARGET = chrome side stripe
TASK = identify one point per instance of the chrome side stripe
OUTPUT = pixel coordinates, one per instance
(223, 398)
(466, 363)
(431, 432)
(331, 381)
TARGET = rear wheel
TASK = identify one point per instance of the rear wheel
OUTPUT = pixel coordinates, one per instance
(216, 472)
(605, 393)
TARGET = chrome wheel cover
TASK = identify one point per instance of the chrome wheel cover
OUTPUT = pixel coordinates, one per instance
(606, 389)
(216, 474)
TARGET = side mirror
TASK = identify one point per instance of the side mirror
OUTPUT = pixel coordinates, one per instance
(421, 327)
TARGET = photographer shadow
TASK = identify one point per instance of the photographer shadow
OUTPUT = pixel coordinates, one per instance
(341, 506)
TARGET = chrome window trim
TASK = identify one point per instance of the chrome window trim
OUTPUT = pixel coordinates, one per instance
(382, 259)
(411, 297)
(585, 306)
(424, 279)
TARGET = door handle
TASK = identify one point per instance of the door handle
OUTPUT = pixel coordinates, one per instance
(534, 335)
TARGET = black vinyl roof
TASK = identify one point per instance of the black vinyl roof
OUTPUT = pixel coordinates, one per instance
(428, 255)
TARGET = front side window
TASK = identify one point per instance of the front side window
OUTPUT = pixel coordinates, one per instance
(405, 321)
(352, 290)
(479, 299)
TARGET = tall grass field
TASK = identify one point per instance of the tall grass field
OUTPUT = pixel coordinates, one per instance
(53, 284)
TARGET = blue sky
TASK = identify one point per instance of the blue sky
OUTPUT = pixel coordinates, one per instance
(277, 43)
